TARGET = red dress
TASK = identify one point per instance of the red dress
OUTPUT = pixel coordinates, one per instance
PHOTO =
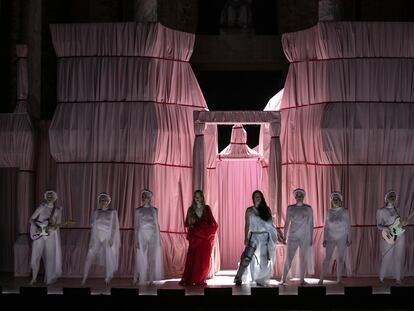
(200, 237)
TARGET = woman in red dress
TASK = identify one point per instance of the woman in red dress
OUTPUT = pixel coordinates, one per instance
(201, 231)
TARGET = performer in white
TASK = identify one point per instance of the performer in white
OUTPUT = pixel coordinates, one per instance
(47, 246)
(105, 239)
(299, 233)
(336, 234)
(260, 239)
(392, 255)
(148, 255)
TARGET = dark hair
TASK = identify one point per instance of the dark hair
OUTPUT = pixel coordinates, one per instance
(264, 210)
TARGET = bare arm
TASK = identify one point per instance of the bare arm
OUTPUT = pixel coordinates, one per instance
(246, 226)
(311, 225)
(287, 223)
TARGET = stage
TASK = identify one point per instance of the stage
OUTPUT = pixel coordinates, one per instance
(363, 293)
(223, 279)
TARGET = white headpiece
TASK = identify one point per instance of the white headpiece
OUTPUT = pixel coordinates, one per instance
(337, 194)
(54, 194)
(105, 195)
(147, 192)
(299, 190)
(388, 193)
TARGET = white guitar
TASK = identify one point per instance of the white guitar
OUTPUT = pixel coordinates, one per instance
(395, 229)
(40, 229)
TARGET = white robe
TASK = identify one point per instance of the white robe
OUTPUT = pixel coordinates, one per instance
(299, 233)
(105, 229)
(392, 255)
(264, 236)
(148, 255)
(47, 247)
(337, 231)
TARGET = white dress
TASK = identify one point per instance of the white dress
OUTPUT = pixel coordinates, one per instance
(337, 231)
(264, 236)
(392, 255)
(148, 256)
(47, 247)
(104, 242)
(299, 233)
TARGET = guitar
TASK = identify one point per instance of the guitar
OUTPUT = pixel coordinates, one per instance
(42, 228)
(395, 229)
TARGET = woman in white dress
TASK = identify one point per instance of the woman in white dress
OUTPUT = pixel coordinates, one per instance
(260, 237)
(148, 255)
(299, 233)
(48, 246)
(336, 234)
(392, 255)
(105, 239)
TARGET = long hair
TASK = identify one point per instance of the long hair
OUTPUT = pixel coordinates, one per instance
(264, 210)
(191, 211)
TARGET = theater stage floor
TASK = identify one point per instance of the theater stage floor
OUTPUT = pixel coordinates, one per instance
(224, 278)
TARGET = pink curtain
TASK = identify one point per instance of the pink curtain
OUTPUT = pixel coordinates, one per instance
(237, 179)
(229, 185)
(126, 96)
(347, 124)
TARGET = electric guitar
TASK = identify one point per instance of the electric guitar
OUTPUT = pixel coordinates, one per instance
(395, 229)
(42, 228)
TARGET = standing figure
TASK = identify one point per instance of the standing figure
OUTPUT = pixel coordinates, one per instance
(202, 228)
(392, 255)
(299, 233)
(46, 242)
(105, 239)
(260, 237)
(148, 256)
(336, 234)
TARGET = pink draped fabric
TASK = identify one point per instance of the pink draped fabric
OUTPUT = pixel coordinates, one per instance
(126, 95)
(239, 174)
(235, 173)
(347, 124)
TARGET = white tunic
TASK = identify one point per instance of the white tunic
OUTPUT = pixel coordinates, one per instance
(264, 236)
(337, 224)
(299, 233)
(337, 232)
(148, 255)
(105, 240)
(47, 247)
(392, 255)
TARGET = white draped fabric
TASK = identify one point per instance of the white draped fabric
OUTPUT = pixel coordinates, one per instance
(148, 257)
(124, 121)
(347, 125)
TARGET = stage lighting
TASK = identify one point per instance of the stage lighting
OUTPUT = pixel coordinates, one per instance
(38, 291)
(315, 291)
(76, 291)
(358, 291)
(124, 291)
(407, 291)
(170, 292)
(264, 291)
(218, 291)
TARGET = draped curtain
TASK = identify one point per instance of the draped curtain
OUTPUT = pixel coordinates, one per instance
(347, 124)
(126, 95)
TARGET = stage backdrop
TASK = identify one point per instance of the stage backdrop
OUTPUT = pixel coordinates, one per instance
(347, 114)
(124, 122)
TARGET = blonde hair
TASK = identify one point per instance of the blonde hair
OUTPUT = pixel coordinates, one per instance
(191, 211)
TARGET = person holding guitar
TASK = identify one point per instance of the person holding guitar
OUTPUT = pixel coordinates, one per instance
(392, 253)
(46, 243)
